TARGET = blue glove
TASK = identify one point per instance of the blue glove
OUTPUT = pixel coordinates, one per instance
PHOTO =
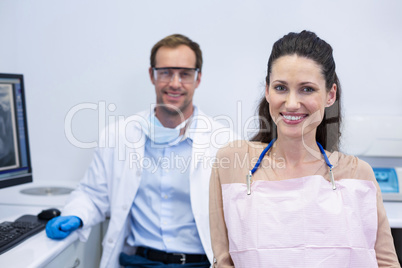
(60, 227)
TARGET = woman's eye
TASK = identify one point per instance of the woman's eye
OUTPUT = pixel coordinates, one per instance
(308, 89)
(279, 88)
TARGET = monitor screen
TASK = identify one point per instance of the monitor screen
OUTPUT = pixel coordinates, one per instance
(15, 162)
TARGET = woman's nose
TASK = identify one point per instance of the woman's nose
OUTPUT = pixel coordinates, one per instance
(292, 101)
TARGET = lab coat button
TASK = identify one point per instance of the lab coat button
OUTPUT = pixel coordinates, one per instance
(138, 173)
(110, 240)
(124, 207)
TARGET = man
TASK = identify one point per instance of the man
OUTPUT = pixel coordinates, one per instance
(154, 183)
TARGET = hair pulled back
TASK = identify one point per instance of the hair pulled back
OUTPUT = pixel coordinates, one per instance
(305, 44)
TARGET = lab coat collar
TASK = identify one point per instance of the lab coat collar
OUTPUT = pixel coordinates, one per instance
(199, 131)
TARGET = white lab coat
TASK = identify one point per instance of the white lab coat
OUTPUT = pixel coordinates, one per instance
(112, 180)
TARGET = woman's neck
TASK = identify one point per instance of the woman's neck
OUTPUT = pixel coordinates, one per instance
(296, 151)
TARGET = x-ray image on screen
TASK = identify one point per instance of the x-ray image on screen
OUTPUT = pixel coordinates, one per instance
(8, 133)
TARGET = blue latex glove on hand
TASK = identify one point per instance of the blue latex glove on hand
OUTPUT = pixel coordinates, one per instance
(60, 227)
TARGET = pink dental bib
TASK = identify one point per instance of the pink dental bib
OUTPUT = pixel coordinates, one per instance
(302, 222)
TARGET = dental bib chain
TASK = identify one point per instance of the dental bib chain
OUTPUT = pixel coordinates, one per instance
(249, 177)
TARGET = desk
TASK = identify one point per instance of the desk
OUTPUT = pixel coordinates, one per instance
(394, 213)
(39, 250)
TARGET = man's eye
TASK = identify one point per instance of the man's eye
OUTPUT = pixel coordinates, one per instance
(163, 72)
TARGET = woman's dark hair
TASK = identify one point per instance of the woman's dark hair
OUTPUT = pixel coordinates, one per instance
(308, 45)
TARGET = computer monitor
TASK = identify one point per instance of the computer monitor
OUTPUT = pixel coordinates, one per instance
(15, 162)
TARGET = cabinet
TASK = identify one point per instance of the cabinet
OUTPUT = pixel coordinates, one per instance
(79, 254)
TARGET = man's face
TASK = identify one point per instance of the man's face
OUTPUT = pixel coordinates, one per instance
(174, 96)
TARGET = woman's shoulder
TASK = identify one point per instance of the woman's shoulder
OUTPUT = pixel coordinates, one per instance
(351, 166)
(241, 147)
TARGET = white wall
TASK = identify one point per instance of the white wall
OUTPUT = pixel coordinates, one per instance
(73, 52)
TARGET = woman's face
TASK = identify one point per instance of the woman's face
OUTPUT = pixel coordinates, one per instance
(297, 96)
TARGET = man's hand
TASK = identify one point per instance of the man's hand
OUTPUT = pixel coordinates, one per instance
(60, 227)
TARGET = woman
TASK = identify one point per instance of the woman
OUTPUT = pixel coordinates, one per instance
(292, 202)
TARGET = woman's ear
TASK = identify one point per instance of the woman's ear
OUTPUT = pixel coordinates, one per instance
(267, 93)
(331, 96)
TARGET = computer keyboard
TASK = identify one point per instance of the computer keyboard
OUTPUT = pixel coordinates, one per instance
(13, 233)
